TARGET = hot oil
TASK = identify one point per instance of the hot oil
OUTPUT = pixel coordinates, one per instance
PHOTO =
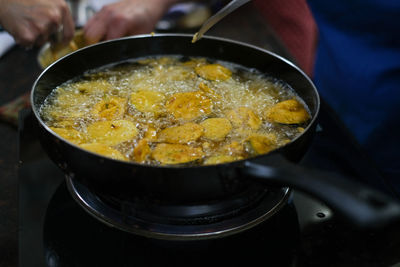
(71, 104)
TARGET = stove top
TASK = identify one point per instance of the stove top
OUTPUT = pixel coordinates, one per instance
(56, 231)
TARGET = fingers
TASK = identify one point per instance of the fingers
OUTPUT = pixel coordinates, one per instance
(94, 30)
(33, 23)
(119, 28)
(68, 25)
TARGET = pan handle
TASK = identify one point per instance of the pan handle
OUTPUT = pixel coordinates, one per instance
(362, 206)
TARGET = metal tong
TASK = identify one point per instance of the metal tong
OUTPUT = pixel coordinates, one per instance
(233, 5)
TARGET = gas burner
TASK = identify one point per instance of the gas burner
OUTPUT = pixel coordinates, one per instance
(177, 222)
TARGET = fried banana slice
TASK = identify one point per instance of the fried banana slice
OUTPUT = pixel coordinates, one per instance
(150, 133)
(157, 61)
(216, 129)
(68, 114)
(244, 117)
(189, 105)
(213, 72)
(260, 144)
(209, 92)
(141, 151)
(181, 134)
(195, 62)
(111, 132)
(64, 124)
(70, 134)
(165, 74)
(111, 108)
(176, 153)
(148, 101)
(92, 87)
(67, 98)
(233, 149)
(288, 112)
(220, 159)
(104, 150)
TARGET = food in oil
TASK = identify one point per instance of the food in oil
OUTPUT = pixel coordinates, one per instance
(174, 110)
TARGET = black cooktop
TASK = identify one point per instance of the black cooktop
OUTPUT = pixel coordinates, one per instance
(55, 231)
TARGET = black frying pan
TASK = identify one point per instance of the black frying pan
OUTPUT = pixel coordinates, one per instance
(196, 184)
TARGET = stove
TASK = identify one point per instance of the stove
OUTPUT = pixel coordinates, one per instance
(62, 223)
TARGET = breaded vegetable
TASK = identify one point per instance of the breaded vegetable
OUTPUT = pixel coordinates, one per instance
(70, 134)
(150, 133)
(195, 62)
(111, 132)
(67, 114)
(104, 150)
(64, 124)
(288, 112)
(220, 159)
(110, 108)
(176, 153)
(161, 61)
(213, 72)
(181, 134)
(93, 87)
(148, 101)
(189, 105)
(70, 99)
(175, 73)
(233, 149)
(142, 151)
(208, 91)
(216, 129)
(260, 144)
(244, 117)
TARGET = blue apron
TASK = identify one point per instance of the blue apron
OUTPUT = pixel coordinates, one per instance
(357, 72)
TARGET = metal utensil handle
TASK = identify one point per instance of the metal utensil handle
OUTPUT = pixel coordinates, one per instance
(362, 206)
(218, 16)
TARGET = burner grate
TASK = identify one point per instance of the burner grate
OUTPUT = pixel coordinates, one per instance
(188, 222)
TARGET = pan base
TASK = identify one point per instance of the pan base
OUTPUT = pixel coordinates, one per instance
(193, 222)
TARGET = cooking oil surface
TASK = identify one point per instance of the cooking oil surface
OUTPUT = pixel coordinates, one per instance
(175, 110)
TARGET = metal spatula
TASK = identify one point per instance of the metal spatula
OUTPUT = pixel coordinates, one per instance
(234, 4)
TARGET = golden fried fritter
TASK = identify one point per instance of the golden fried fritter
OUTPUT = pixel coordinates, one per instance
(176, 153)
(68, 114)
(189, 105)
(148, 101)
(244, 117)
(216, 129)
(209, 92)
(67, 98)
(220, 159)
(93, 87)
(110, 108)
(150, 133)
(195, 62)
(142, 151)
(104, 150)
(181, 134)
(213, 72)
(288, 112)
(233, 149)
(111, 132)
(70, 134)
(261, 143)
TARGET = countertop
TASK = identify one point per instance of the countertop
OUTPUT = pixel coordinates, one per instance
(18, 71)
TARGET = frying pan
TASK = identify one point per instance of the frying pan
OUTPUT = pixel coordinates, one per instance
(363, 206)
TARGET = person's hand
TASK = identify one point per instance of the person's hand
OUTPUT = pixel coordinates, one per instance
(31, 22)
(126, 17)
